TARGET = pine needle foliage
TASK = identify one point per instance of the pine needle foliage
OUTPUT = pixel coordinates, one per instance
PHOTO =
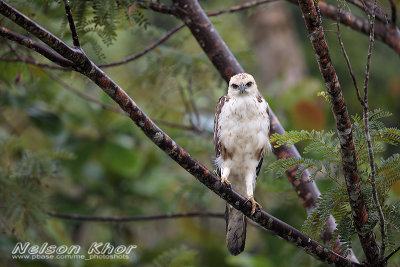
(324, 146)
(23, 189)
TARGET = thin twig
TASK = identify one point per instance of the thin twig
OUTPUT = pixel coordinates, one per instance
(339, 35)
(367, 8)
(83, 95)
(368, 135)
(180, 26)
(193, 105)
(33, 62)
(391, 254)
(31, 44)
(239, 7)
(189, 128)
(71, 23)
(201, 214)
(134, 218)
(144, 51)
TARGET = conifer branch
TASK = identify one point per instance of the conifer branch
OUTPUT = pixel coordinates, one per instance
(313, 23)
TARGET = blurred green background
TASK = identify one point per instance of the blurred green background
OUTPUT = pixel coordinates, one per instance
(104, 165)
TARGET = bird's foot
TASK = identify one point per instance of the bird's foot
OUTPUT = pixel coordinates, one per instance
(254, 204)
(223, 180)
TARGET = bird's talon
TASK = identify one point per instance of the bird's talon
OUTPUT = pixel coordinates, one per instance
(225, 180)
(254, 204)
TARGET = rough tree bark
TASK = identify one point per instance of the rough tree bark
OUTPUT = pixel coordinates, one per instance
(360, 217)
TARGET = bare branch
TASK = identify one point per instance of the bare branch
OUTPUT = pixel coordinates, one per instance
(190, 128)
(177, 28)
(391, 254)
(385, 33)
(158, 7)
(83, 95)
(38, 31)
(313, 23)
(239, 7)
(348, 61)
(364, 103)
(71, 23)
(134, 218)
(199, 214)
(31, 44)
(163, 141)
(144, 51)
(367, 8)
(33, 62)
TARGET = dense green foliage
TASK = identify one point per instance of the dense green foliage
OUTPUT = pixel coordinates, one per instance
(327, 163)
(60, 152)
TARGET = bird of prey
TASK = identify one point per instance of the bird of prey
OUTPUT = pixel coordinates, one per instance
(241, 138)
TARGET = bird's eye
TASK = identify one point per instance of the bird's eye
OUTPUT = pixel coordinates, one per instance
(249, 84)
(234, 86)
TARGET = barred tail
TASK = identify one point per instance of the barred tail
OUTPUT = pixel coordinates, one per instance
(235, 230)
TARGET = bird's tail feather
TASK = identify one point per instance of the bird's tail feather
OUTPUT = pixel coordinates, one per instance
(235, 230)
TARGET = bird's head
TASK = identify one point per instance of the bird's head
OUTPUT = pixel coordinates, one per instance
(242, 84)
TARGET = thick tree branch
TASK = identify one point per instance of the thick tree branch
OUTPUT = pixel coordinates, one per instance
(194, 167)
(313, 22)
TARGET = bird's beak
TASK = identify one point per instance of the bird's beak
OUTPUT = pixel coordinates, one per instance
(242, 88)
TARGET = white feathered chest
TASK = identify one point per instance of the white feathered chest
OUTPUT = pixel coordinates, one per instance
(243, 129)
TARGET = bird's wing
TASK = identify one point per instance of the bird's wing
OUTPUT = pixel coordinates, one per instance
(217, 143)
(260, 99)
